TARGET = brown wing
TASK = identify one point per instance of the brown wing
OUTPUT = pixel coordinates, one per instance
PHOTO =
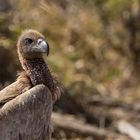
(27, 117)
(20, 86)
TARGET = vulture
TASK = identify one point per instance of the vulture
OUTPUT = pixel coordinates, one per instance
(31, 46)
(26, 104)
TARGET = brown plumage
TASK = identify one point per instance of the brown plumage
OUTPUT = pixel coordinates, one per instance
(21, 85)
(27, 116)
(30, 47)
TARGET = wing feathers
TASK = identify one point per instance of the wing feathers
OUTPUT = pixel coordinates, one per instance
(27, 116)
(15, 89)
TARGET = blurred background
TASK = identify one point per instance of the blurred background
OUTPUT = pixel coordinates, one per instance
(95, 53)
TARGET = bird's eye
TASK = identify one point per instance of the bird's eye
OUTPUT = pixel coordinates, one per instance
(28, 41)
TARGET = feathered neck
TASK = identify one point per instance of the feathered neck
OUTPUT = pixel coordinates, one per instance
(39, 73)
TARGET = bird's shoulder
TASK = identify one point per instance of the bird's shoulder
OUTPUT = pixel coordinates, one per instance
(21, 85)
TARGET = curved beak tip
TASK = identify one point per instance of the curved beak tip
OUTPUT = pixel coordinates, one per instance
(48, 49)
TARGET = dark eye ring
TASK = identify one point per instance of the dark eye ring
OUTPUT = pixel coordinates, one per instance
(28, 41)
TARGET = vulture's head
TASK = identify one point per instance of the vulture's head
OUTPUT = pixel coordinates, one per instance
(32, 44)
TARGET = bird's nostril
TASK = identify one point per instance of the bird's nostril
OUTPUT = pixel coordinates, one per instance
(39, 41)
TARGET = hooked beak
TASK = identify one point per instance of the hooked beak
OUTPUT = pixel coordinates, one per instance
(43, 45)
